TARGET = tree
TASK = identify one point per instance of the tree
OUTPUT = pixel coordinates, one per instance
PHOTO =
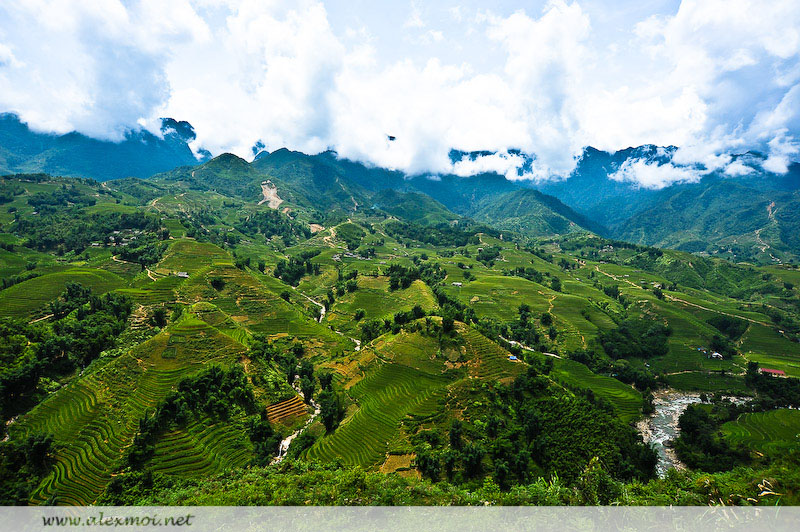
(217, 283)
(329, 409)
(428, 463)
(307, 386)
(555, 284)
(456, 429)
(472, 457)
(325, 380)
(160, 317)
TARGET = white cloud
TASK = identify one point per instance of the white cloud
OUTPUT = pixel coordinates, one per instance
(654, 175)
(714, 77)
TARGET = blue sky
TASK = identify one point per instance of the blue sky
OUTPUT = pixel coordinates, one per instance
(713, 77)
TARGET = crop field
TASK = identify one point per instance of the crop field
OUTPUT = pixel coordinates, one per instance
(707, 382)
(772, 432)
(574, 329)
(187, 255)
(256, 307)
(386, 396)
(202, 448)
(487, 359)
(373, 297)
(625, 399)
(96, 417)
(286, 411)
(24, 299)
(771, 349)
(499, 297)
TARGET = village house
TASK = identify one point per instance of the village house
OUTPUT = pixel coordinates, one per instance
(773, 372)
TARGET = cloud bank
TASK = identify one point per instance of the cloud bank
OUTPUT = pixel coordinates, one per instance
(712, 77)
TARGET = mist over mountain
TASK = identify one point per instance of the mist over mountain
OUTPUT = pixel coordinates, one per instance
(140, 154)
(638, 194)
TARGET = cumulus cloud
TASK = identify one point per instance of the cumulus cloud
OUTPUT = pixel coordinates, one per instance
(654, 175)
(77, 67)
(714, 77)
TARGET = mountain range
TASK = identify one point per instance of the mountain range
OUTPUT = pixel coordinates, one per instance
(752, 217)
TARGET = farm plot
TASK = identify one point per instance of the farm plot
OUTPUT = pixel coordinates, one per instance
(24, 299)
(775, 431)
(202, 448)
(386, 396)
(487, 359)
(499, 297)
(95, 418)
(287, 410)
(625, 399)
(374, 298)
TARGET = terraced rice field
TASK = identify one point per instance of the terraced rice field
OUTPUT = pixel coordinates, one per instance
(625, 399)
(287, 410)
(254, 306)
(202, 448)
(24, 299)
(487, 359)
(372, 298)
(94, 419)
(187, 255)
(707, 382)
(385, 397)
(771, 349)
(775, 431)
(499, 297)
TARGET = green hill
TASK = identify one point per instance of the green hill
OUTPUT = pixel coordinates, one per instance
(413, 206)
(226, 174)
(531, 213)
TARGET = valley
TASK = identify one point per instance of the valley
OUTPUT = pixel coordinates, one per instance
(231, 320)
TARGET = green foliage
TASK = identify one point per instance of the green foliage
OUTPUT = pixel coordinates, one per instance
(270, 223)
(214, 392)
(638, 338)
(438, 235)
(22, 466)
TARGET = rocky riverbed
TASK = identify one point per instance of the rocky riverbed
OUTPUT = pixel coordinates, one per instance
(661, 428)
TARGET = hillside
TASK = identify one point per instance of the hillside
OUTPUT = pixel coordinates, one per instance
(227, 174)
(412, 206)
(719, 217)
(181, 330)
(140, 154)
(529, 212)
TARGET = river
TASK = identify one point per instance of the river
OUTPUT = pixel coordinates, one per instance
(662, 427)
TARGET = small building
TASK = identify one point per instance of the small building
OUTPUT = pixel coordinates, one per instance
(456, 284)
(512, 358)
(716, 355)
(184, 275)
(773, 372)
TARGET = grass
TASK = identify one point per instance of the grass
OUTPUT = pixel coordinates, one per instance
(772, 432)
(707, 382)
(625, 399)
(95, 418)
(387, 395)
(371, 296)
(24, 299)
(202, 448)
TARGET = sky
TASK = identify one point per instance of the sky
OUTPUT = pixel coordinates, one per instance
(712, 77)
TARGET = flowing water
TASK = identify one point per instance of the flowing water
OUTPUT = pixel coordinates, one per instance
(661, 428)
